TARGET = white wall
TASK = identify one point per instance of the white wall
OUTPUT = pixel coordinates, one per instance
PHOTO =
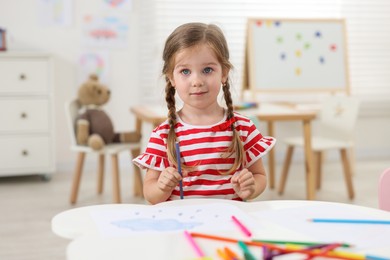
(25, 33)
(20, 19)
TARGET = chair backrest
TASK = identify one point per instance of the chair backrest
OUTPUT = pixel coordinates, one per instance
(338, 117)
(71, 111)
(384, 190)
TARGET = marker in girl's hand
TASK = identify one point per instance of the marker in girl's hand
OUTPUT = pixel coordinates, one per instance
(241, 227)
(179, 169)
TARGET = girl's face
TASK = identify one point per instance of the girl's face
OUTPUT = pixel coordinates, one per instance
(197, 76)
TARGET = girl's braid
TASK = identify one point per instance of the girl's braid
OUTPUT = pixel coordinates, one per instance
(170, 99)
(236, 146)
(228, 99)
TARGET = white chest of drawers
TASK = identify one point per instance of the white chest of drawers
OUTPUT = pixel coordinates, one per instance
(26, 114)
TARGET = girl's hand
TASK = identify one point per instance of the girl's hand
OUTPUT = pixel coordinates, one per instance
(169, 178)
(244, 184)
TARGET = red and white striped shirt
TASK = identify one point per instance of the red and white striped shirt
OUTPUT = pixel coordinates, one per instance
(203, 147)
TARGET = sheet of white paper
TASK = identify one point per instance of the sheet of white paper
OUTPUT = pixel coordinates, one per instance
(55, 12)
(151, 219)
(362, 236)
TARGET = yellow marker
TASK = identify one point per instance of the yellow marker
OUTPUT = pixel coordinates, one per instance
(352, 256)
(222, 254)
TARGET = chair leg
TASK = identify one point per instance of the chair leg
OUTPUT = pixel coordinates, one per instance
(77, 177)
(138, 182)
(352, 159)
(347, 173)
(309, 184)
(318, 159)
(115, 179)
(286, 167)
(100, 174)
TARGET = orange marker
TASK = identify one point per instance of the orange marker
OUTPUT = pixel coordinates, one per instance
(230, 254)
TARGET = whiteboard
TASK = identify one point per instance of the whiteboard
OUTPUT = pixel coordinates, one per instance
(297, 55)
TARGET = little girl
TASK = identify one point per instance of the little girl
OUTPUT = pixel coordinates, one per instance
(220, 149)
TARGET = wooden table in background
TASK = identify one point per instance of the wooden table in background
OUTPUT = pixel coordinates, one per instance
(266, 112)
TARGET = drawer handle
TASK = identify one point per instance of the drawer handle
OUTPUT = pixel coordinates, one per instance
(24, 152)
(23, 115)
(22, 77)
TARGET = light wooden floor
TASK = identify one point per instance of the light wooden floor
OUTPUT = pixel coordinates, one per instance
(28, 204)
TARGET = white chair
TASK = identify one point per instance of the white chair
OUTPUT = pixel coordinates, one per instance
(337, 121)
(384, 190)
(112, 150)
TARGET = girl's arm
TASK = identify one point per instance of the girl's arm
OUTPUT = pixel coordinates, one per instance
(158, 186)
(251, 182)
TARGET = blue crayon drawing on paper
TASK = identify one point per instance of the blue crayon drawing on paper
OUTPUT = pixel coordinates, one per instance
(145, 224)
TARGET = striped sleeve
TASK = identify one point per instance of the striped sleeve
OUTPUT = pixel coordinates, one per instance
(255, 144)
(155, 155)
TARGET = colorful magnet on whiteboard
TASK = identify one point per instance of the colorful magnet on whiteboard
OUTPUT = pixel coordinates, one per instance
(318, 34)
(333, 47)
(283, 56)
(279, 39)
(321, 59)
(259, 23)
(268, 23)
(298, 36)
(298, 71)
(298, 53)
(307, 46)
(277, 23)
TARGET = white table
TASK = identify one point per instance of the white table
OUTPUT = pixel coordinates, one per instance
(273, 218)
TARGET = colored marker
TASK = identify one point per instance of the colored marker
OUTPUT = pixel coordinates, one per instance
(247, 254)
(193, 244)
(274, 247)
(242, 227)
(351, 221)
(267, 254)
(231, 255)
(222, 254)
(301, 243)
(179, 169)
(372, 257)
(325, 249)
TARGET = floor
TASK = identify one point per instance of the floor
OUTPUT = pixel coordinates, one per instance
(29, 203)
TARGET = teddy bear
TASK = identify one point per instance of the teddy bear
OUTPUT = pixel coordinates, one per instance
(93, 125)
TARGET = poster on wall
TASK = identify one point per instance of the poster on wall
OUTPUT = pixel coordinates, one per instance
(55, 12)
(109, 32)
(93, 63)
(116, 5)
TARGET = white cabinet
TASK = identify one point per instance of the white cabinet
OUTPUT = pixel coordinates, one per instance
(26, 114)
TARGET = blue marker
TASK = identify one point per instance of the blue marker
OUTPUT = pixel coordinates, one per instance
(179, 169)
(351, 221)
